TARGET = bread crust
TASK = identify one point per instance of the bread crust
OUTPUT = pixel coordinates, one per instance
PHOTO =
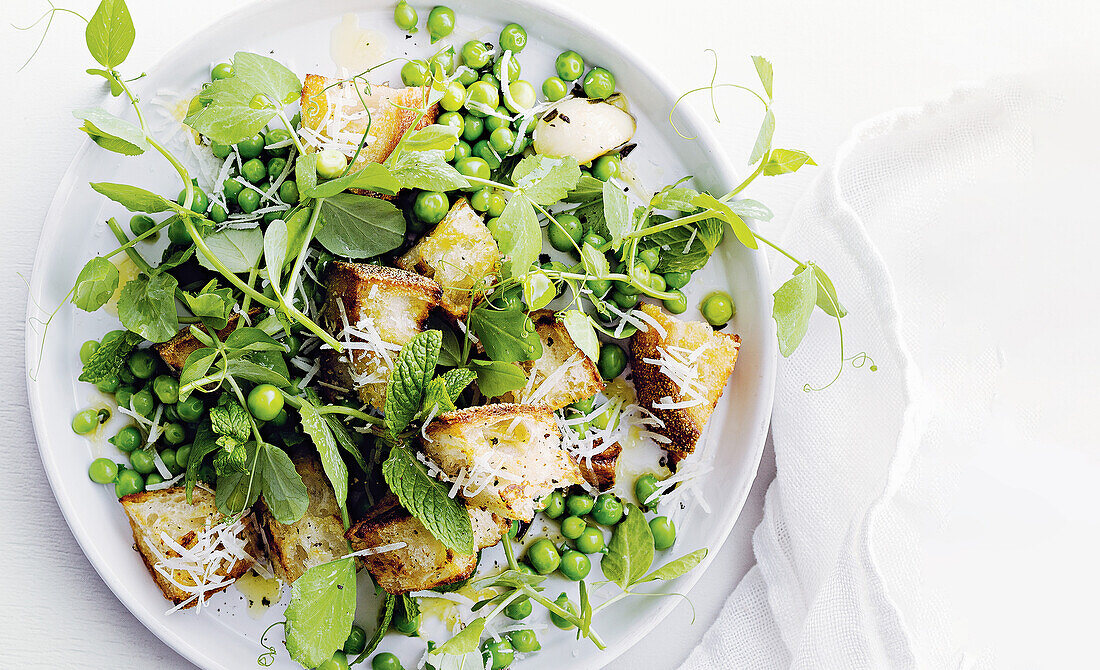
(175, 351)
(583, 379)
(600, 470)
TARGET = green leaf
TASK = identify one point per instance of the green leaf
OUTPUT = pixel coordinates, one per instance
(110, 33)
(763, 138)
(305, 173)
(231, 419)
(385, 616)
(373, 177)
(436, 399)
(95, 284)
(147, 306)
(427, 170)
(260, 371)
(427, 500)
(252, 339)
(495, 378)
(284, 492)
(344, 439)
(595, 261)
(238, 249)
(359, 227)
(457, 380)
(213, 305)
(435, 137)
(507, 334)
(783, 161)
(196, 367)
(133, 198)
(675, 568)
(793, 305)
(236, 491)
(116, 88)
(538, 290)
(204, 444)
(111, 355)
(275, 242)
(579, 326)
(723, 211)
(764, 71)
(546, 180)
(466, 641)
(750, 209)
(229, 115)
(267, 76)
(826, 294)
(517, 233)
(616, 213)
(318, 430)
(679, 198)
(588, 189)
(450, 353)
(321, 612)
(630, 552)
(675, 253)
(412, 371)
(111, 132)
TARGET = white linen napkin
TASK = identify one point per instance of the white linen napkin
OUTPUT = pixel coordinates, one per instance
(825, 591)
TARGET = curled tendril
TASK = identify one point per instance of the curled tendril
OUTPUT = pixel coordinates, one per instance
(861, 359)
(48, 17)
(713, 104)
(267, 658)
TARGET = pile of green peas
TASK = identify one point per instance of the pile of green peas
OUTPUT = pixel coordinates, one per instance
(581, 518)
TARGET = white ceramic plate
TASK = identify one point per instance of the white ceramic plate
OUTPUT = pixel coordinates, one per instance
(225, 636)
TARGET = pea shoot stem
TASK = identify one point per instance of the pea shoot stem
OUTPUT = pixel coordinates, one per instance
(142, 264)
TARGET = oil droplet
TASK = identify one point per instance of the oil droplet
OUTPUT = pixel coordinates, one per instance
(260, 592)
(353, 48)
(127, 270)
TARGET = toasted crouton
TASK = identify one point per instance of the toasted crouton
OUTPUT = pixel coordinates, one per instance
(563, 374)
(175, 351)
(376, 310)
(334, 115)
(699, 362)
(509, 456)
(316, 538)
(196, 529)
(600, 470)
(460, 254)
(424, 562)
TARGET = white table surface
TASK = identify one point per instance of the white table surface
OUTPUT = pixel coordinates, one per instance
(1014, 336)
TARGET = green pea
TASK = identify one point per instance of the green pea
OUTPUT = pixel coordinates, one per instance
(385, 661)
(650, 257)
(288, 192)
(277, 136)
(523, 95)
(500, 653)
(275, 167)
(231, 188)
(404, 15)
(103, 471)
(405, 623)
(281, 418)
(575, 565)
(656, 282)
(677, 279)
(664, 532)
(564, 603)
(488, 78)
(199, 201)
(218, 214)
(220, 150)
(566, 234)
(590, 541)
(271, 216)
(513, 68)
(480, 199)
(442, 63)
(579, 504)
(153, 478)
(606, 167)
(599, 287)
(127, 482)
(612, 361)
(476, 54)
(124, 396)
(254, 170)
(452, 120)
(569, 65)
(265, 401)
(87, 349)
(331, 164)
(221, 71)
(441, 22)
(717, 308)
(595, 240)
(431, 206)
(599, 83)
(625, 301)
(127, 439)
(339, 661)
(497, 203)
(494, 122)
(572, 526)
(167, 389)
(502, 140)
(466, 76)
(453, 97)
(472, 128)
(513, 38)
(85, 421)
(645, 490)
(543, 556)
(519, 608)
(485, 151)
(356, 642)
(524, 641)
(251, 147)
(169, 458)
(142, 461)
(481, 95)
(191, 410)
(248, 200)
(177, 233)
(473, 166)
(143, 402)
(554, 89)
(109, 384)
(553, 505)
(677, 305)
(415, 73)
(141, 224)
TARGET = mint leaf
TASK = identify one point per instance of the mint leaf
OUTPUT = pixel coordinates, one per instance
(318, 430)
(427, 500)
(230, 418)
(147, 306)
(616, 213)
(111, 355)
(546, 180)
(412, 371)
(110, 33)
(764, 71)
(630, 552)
(517, 233)
(427, 170)
(321, 612)
(676, 254)
(579, 326)
(359, 227)
(495, 378)
(232, 458)
(132, 198)
(723, 211)
(826, 294)
(204, 444)
(111, 132)
(507, 334)
(95, 284)
(763, 138)
(457, 380)
(675, 568)
(793, 304)
(344, 439)
(783, 161)
(436, 399)
(284, 492)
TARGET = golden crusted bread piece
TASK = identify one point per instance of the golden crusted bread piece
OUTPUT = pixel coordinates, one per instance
(600, 470)
(460, 254)
(192, 526)
(509, 455)
(333, 113)
(424, 562)
(691, 353)
(175, 351)
(563, 374)
(316, 538)
(387, 304)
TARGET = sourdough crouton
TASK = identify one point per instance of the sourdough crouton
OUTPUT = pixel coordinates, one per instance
(600, 470)
(424, 562)
(175, 351)
(507, 456)
(334, 116)
(680, 373)
(316, 538)
(375, 311)
(460, 254)
(178, 540)
(563, 374)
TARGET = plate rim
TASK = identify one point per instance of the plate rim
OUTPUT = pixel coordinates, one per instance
(51, 228)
